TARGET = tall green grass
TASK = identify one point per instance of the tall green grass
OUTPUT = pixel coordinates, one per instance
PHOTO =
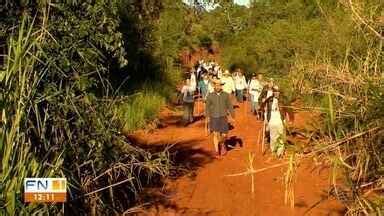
(137, 111)
(19, 82)
(58, 116)
(50, 129)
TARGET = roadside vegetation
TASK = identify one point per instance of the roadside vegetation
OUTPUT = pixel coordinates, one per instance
(76, 75)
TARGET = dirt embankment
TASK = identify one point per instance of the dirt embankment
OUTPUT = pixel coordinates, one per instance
(189, 57)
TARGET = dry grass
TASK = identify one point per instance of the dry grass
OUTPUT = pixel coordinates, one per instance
(351, 96)
(289, 181)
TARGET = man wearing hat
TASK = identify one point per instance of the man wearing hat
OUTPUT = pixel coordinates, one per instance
(275, 122)
(218, 107)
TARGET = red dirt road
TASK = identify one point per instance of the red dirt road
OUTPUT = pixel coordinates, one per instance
(209, 191)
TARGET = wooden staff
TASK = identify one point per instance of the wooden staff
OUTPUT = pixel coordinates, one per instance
(262, 107)
(196, 97)
(263, 138)
(247, 106)
(198, 104)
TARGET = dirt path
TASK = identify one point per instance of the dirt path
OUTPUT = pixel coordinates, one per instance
(208, 191)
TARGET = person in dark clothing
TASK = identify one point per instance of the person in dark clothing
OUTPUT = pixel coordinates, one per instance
(218, 108)
(266, 92)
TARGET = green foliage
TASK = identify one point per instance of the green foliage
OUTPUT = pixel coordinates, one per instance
(67, 75)
(59, 101)
(20, 100)
(273, 35)
(171, 29)
(205, 41)
(139, 109)
(86, 45)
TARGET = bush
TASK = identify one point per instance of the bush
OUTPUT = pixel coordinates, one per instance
(57, 112)
(139, 109)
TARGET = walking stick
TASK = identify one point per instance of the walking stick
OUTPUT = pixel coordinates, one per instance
(245, 102)
(247, 107)
(263, 138)
(198, 105)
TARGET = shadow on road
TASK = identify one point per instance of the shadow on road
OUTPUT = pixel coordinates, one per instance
(186, 158)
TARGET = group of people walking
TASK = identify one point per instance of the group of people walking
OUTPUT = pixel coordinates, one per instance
(220, 91)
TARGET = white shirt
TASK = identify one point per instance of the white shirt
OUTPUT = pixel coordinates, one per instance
(275, 112)
(229, 85)
(255, 87)
(185, 90)
(219, 73)
(240, 82)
